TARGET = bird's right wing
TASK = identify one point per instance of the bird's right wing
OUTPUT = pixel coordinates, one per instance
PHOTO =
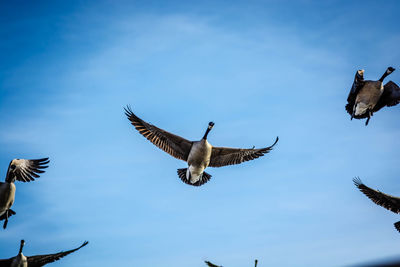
(26, 170)
(40, 260)
(387, 201)
(355, 88)
(174, 145)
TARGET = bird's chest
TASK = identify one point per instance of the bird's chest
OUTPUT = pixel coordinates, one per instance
(7, 194)
(200, 154)
(19, 261)
(370, 93)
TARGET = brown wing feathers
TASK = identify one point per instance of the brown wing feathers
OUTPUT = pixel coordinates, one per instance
(174, 145)
(387, 201)
(223, 156)
(40, 260)
(26, 170)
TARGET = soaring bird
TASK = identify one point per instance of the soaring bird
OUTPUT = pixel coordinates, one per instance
(210, 264)
(387, 201)
(367, 97)
(23, 170)
(198, 154)
(35, 261)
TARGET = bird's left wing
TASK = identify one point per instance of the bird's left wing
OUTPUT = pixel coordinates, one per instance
(41, 260)
(223, 156)
(387, 201)
(355, 88)
(6, 263)
(390, 96)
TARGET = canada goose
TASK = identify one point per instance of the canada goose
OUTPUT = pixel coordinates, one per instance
(210, 264)
(23, 170)
(35, 261)
(367, 97)
(198, 154)
(387, 201)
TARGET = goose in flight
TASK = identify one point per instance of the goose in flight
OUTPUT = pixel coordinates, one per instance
(198, 154)
(387, 201)
(35, 261)
(210, 264)
(23, 170)
(367, 97)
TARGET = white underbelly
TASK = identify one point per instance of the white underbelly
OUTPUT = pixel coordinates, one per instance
(195, 173)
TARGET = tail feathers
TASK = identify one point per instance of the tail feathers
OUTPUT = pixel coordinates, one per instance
(204, 178)
(397, 226)
(10, 213)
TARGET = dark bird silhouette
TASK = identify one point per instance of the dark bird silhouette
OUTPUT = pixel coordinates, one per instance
(387, 201)
(212, 264)
(367, 97)
(35, 261)
(23, 170)
(198, 154)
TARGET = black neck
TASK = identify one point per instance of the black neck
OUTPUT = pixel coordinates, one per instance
(21, 247)
(383, 76)
(205, 135)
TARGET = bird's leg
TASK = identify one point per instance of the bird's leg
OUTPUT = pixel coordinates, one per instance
(6, 220)
(369, 117)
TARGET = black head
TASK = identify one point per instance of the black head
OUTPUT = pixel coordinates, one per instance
(390, 70)
(210, 125)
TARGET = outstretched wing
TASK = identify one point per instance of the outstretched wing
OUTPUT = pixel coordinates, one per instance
(211, 264)
(223, 156)
(6, 263)
(40, 260)
(174, 145)
(26, 170)
(387, 201)
(355, 88)
(390, 96)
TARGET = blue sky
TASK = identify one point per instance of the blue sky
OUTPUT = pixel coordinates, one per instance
(258, 69)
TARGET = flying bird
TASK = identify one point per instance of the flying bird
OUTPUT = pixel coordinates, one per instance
(367, 97)
(212, 264)
(35, 261)
(23, 170)
(198, 154)
(387, 201)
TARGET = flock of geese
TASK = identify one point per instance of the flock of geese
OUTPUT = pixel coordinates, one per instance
(365, 98)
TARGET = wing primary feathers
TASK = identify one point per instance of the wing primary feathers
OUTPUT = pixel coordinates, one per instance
(174, 145)
(384, 200)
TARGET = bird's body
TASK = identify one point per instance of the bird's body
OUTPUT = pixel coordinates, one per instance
(198, 154)
(23, 170)
(198, 160)
(35, 261)
(7, 196)
(367, 97)
(19, 261)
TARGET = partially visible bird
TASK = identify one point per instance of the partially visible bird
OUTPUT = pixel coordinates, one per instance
(35, 261)
(367, 97)
(212, 264)
(198, 154)
(387, 201)
(24, 170)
